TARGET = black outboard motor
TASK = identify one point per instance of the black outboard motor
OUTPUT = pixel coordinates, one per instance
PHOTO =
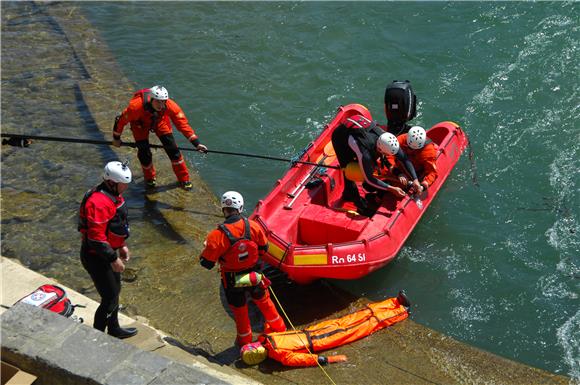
(400, 106)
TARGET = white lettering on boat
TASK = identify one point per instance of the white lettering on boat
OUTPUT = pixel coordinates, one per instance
(349, 258)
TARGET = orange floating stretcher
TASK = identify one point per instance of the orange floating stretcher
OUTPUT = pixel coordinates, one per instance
(300, 347)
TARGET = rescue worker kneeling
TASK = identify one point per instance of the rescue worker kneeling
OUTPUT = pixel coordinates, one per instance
(237, 245)
(423, 154)
(360, 144)
(299, 347)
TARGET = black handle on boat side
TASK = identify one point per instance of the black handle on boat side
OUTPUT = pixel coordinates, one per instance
(131, 144)
(302, 185)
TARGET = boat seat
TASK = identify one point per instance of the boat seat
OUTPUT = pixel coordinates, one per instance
(319, 225)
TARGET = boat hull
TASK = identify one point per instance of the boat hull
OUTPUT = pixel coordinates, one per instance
(311, 235)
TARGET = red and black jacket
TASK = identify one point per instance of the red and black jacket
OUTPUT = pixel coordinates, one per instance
(103, 222)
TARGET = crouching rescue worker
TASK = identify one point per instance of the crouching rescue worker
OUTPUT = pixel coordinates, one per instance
(301, 347)
(360, 147)
(151, 110)
(423, 154)
(104, 227)
(237, 245)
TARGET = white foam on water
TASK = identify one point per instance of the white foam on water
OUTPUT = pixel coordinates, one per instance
(551, 286)
(471, 309)
(569, 338)
(517, 245)
(414, 255)
(543, 136)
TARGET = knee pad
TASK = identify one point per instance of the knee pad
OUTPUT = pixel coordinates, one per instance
(144, 153)
(236, 298)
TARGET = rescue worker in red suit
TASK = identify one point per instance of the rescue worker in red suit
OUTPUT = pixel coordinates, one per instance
(151, 110)
(423, 154)
(237, 245)
(104, 227)
(301, 347)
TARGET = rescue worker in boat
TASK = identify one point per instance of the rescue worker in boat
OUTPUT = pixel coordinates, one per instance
(400, 107)
(301, 347)
(104, 226)
(423, 154)
(359, 145)
(237, 245)
(151, 110)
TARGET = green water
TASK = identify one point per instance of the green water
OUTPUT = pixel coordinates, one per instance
(495, 264)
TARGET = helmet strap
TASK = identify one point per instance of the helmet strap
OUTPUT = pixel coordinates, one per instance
(112, 186)
(229, 211)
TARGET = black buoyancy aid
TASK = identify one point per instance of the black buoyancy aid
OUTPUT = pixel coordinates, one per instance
(363, 130)
(118, 225)
(243, 251)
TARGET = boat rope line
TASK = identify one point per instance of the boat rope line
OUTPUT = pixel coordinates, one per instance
(134, 145)
(298, 334)
(472, 162)
(285, 254)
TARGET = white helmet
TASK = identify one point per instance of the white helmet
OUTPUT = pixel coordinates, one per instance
(234, 200)
(159, 93)
(117, 172)
(416, 137)
(388, 144)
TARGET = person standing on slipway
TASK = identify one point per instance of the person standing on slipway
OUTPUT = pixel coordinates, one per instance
(237, 245)
(104, 226)
(151, 110)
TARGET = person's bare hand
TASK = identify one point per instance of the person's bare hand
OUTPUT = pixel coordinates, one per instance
(118, 266)
(124, 254)
(398, 191)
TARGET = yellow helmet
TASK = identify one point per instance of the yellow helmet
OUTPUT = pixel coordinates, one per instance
(253, 353)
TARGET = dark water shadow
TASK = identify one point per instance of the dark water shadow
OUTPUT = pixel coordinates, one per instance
(150, 213)
(226, 357)
(167, 206)
(58, 29)
(91, 126)
(161, 189)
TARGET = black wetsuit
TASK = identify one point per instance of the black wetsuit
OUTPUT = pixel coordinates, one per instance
(359, 145)
(96, 256)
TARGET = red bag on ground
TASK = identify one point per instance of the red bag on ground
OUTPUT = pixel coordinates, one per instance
(50, 297)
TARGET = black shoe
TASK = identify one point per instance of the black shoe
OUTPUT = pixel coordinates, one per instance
(403, 300)
(123, 332)
(362, 207)
(151, 183)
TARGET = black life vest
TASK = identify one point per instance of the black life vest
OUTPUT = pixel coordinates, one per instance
(366, 133)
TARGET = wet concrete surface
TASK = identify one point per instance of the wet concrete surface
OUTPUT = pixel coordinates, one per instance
(59, 79)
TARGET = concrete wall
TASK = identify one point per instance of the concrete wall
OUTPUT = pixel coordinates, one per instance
(60, 351)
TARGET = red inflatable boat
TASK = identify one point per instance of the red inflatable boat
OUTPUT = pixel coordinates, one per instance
(311, 236)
